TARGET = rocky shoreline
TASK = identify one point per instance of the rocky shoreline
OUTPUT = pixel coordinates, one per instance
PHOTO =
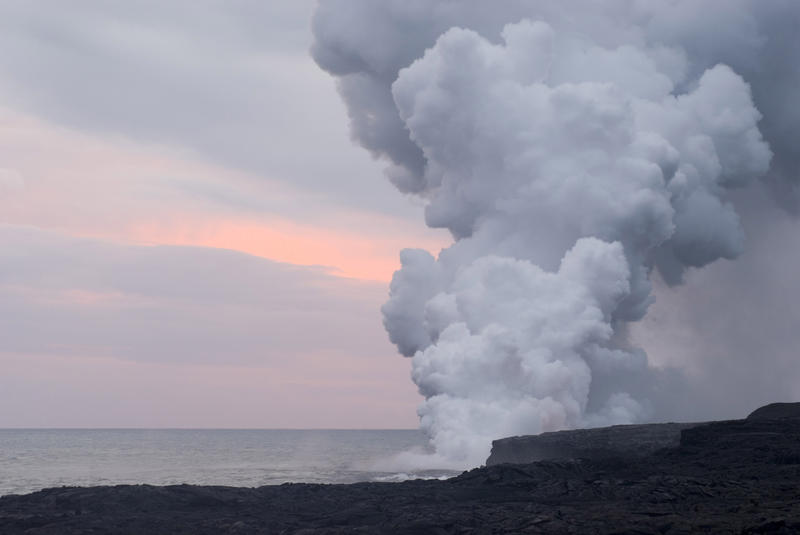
(739, 476)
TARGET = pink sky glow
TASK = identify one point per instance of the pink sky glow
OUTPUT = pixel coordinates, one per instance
(107, 332)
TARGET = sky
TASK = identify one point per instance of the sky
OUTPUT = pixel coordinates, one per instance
(200, 217)
(188, 236)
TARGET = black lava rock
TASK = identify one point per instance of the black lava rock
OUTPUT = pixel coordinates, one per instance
(776, 411)
(738, 476)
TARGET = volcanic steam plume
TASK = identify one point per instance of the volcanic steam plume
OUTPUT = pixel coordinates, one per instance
(572, 150)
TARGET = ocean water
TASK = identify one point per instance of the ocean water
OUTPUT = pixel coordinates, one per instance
(32, 459)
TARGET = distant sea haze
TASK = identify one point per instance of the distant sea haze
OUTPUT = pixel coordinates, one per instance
(33, 459)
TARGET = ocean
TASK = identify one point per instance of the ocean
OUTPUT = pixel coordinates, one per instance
(33, 459)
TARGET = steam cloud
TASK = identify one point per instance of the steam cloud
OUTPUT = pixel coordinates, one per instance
(570, 149)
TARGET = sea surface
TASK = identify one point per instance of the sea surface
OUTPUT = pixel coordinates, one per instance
(33, 459)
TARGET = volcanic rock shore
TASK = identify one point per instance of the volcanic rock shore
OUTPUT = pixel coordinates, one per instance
(739, 476)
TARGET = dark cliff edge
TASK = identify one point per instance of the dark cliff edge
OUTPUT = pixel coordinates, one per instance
(603, 442)
(738, 476)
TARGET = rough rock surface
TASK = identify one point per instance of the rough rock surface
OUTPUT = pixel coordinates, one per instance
(599, 443)
(737, 476)
(775, 411)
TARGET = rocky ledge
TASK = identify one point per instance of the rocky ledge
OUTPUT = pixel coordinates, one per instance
(600, 443)
(738, 476)
(606, 442)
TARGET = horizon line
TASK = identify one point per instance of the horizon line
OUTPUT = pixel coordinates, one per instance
(209, 429)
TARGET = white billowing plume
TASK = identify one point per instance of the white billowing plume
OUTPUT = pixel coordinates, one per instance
(512, 343)
(568, 156)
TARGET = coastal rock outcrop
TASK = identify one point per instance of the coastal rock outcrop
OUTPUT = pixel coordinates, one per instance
(600, 443)
(776, 411)
(615, 441)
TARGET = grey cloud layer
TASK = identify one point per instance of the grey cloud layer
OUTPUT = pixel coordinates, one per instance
(571, 149)
(231, 82)
(175, 304)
